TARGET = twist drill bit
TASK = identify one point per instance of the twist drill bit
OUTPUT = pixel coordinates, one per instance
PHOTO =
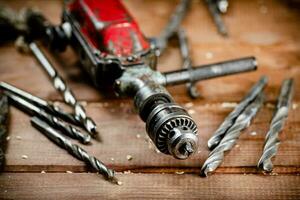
(172, 26)
(187, 61)
(216, 157)
(68, 95)
(51, 120)
(4, 115)
(41, 103)
(281, 112)
(215, 8)
(73, 149)
(230, 119)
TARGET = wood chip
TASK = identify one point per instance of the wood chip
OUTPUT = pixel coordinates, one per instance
(191, 112)
(119, 183)
(127, 172)
(129, 157)
(138, 136)
(189, 105)
(19, 137)
(112, 159)
(209, 55)
(228, 105)
(7, 138)
(43, 172)
(253, 133)
(69, 172)
(294, 106)
(24, 156)
(270, 105)
(180, 172)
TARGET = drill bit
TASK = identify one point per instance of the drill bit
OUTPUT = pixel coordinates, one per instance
(187, 61)
(68, 95)
(51, 120)
(215, 8)
(4, 115)
(73, 149)
(41, 103)
(281, 112)
(230, 119)
(216, 157)
(172, 26)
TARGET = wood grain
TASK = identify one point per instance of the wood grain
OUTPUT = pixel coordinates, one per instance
(147, 186)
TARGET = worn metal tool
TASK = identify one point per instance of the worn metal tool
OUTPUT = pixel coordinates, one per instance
(279, 117)
(231, 118)
(216, 157)
(49, 107)
(216, 8)
(125, 59)
(172, 26)
(61, 86)
(73, 149)
(187, 61)
(4, 115)
(55, 122)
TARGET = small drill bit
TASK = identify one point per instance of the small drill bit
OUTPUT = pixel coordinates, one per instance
(281, 112)
(73, 149)
(41, 103)
(53, 121)
(68, 95)
(172, 26)
(4, 116)
(216, 157)
(187, 61)
(230, 119)
(215, 9)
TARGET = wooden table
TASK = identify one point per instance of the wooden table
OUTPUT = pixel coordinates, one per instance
(269, 30)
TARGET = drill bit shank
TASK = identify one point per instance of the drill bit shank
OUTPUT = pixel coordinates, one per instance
(61, 86)
(230, 119)
(51, 120)
(216, 157)
(272, 141)
(41, 103)
(215, 8)
(73, 149)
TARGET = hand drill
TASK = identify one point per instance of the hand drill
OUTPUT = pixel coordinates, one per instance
(114, 52)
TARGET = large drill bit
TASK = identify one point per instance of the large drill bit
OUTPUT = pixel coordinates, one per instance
(230, 119)
(172, 26)
(4, 112)
(216, 157)
(187, 61)
(73, 149)
(49, 107)
(61, 86)
(281, 112)
(51, 120)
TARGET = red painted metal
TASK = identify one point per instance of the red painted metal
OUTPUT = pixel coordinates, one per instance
(108, 26)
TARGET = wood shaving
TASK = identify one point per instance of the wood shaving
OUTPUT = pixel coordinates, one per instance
(129, 157)
(209, 55)
(112, 159)
(189, 105)
(24, 156)
(253, 133)
(191, 111)
(270, 105)
(294, 106)
(119, 183)
(69, 172)
(43, 172)
(138, 136)
(19, 137)
(228, 105)
(7, 138)
(180, 172)
(127, 172)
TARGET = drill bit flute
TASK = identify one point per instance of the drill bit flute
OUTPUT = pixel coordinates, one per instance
(281, 112)
(68, 95)
(216, 157)
(230, 119)
(49, 107)
(73, 149)
(51, 120)
(4, 115)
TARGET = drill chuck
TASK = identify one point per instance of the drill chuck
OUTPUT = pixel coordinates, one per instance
(169, 126)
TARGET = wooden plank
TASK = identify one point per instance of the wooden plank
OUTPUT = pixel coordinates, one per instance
(147, 186)
(120, 128)
(274, 41)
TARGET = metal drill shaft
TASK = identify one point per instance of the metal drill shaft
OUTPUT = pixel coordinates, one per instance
(61, 86)
(281, 112)
(187, 61)
(4, 116)
(216, 157)
(173, 24)
(73, 149)
(231, 118)
(51, 120)
(41, 103)
(215, 12)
